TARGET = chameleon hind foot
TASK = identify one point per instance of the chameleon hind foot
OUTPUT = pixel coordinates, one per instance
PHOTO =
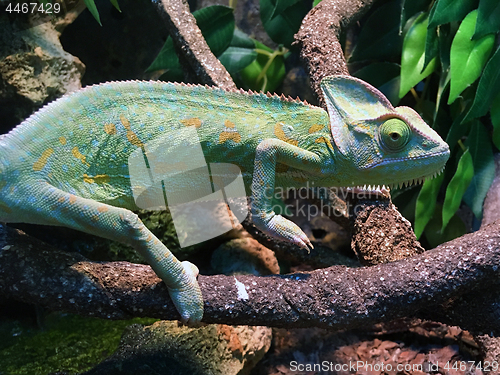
(187, 298)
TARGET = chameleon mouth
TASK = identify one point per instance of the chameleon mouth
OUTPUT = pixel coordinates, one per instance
(416, 181)
(382, 188)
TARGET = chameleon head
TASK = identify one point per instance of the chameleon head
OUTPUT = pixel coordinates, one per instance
(380, 144)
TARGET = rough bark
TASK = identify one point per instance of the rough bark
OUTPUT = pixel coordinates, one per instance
(320, 49)
(442, 283)
(190, 42)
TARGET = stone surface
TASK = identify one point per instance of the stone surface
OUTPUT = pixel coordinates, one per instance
(34, 69)
(169, 348)
(491, 206)
(244, 255)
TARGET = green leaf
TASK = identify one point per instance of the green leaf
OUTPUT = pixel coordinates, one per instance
(488, 20)
(409, 8)
(240, 39)
(217, 26)
(495, 120)
(457, 130)
(431, 46)
(426, 202)
(93, 10)
(235, 59)
(379, 39)
(467, 57)
(433, 233)
(457, 187)
(115, 4)
(444, 11)
(487, 89)
(282, 19)
(479, 142)
(316, 2)
(280, 6)
(166, 58)
(240, 53)
(413, 56)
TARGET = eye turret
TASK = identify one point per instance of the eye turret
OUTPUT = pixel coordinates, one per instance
(394, 134)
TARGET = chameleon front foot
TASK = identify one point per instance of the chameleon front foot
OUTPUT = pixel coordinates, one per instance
(187, 298)
(283, 229)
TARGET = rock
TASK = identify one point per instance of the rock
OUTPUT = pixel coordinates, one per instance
(166, 347)
(491, 206)
(34, 68)
(244, 255)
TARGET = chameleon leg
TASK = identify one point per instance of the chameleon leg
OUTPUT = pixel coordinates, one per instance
(122, 225)
(268, 153)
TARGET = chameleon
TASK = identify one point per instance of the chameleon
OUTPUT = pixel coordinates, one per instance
(67, 164)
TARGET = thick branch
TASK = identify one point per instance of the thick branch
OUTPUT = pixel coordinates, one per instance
(188, 38)
(336, 297)
(318, 40)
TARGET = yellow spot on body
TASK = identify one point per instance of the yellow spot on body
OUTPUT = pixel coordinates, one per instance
(131, 136)
(62, 140)
(95, 218)
(229, 133)
(324, 140)
(315, 128)
(77, 154)
(194, 121)
(110, 129)
(72, 199)
(280, 134)
(61, 199)
(98, 179)
(102, 209)
(40, 163)
(229, 136)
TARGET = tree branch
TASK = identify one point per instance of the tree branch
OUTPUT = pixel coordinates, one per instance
(190, 42)
(320, 49)
(425, 286)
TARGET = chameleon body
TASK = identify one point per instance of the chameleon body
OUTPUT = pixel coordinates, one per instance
(67, 164)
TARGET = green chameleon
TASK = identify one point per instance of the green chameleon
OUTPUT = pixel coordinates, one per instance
(68, 164)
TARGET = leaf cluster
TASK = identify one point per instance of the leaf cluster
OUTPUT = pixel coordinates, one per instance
(252, 64)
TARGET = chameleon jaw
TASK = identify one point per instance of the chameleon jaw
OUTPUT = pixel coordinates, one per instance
(385, 189)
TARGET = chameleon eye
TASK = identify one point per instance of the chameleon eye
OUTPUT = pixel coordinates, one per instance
(394, 134)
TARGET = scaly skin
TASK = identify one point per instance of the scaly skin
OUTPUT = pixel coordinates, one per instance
(68, 163)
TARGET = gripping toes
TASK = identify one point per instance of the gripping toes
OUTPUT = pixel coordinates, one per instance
(187, 298)
(283, 229)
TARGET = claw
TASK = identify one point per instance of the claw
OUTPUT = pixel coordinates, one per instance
(285, 230)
